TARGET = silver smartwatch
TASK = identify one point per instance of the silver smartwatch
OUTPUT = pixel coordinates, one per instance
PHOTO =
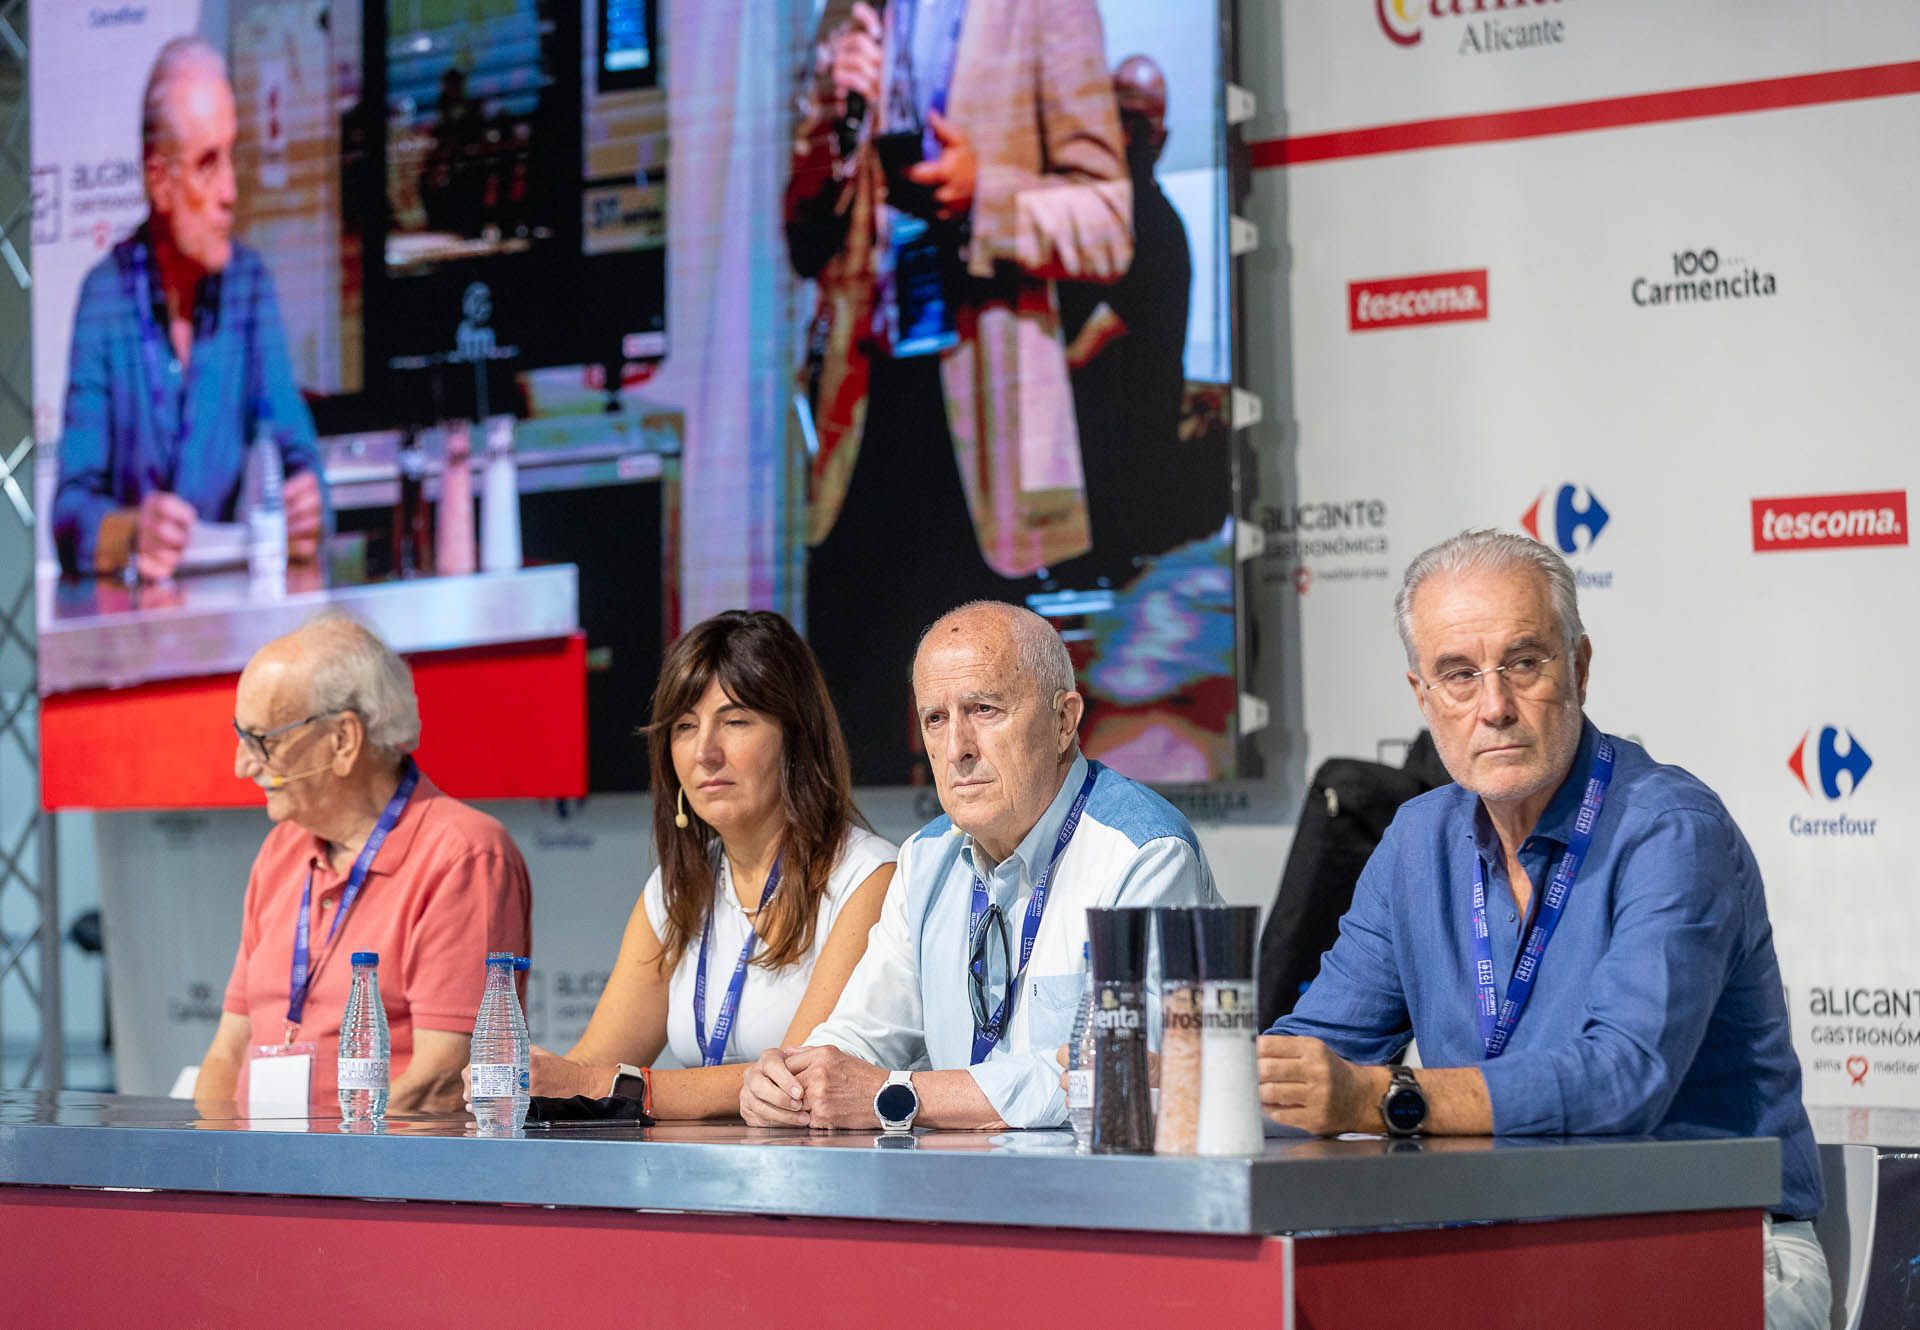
(897, 1103)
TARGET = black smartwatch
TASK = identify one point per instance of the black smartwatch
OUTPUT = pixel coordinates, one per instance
(1403, 1107)
(897, 1103)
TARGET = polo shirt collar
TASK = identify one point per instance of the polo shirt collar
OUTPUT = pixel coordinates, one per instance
(1036, 847)
(399, 840)
(1556, 820)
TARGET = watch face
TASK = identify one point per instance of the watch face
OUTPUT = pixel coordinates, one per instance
(896, 1102)
(1406, 1109)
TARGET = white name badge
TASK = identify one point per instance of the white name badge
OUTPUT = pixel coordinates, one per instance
(279, 1081)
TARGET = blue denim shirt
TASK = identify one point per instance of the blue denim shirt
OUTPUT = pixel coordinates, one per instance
(1658, 1008)
(122, 435)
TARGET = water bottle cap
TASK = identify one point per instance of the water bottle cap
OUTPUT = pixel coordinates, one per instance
(366, 958)
(505, 958)
(523, 962)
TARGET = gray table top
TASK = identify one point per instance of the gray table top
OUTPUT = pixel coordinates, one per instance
(1010, 1178)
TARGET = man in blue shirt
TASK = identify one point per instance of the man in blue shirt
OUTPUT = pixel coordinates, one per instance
(1657, 1007)
(178, 354)
(943, 1023)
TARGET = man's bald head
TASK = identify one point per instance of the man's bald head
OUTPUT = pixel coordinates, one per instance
(1140, 91)
(333, 664)
(1042, 656)
(993, 690)
(1140, 86)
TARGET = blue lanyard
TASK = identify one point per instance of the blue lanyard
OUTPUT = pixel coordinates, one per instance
(302, 976)
(988, 1035)
(1497, 1018)
(713, 1050)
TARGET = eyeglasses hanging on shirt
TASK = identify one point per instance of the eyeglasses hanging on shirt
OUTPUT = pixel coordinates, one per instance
(987, 1031)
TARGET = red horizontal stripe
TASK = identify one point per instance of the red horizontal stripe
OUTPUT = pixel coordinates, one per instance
(1647, 108)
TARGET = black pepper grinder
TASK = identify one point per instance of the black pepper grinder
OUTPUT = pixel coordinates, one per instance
(1122, 1097)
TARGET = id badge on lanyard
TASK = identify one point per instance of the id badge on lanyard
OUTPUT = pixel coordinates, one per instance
(280, 1076)
(280, 1082)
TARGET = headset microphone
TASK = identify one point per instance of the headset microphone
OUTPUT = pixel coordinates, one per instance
(275, 781)
(680, 818)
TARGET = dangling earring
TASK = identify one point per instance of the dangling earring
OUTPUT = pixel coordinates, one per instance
(680, 818)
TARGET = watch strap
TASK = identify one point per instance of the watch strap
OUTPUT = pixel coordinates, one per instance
(1403, 1082)
(631, 1082)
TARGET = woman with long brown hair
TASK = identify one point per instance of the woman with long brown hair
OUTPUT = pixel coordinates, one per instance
(767, 885)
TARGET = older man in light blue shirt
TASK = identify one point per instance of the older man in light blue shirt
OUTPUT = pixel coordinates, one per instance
(971, 976)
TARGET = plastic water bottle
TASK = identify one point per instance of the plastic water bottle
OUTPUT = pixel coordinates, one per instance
(1080, 1058)
(500, 1052)
(366, 1049)
(266, 513)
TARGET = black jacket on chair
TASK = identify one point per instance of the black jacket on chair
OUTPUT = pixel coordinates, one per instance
(1346, 812)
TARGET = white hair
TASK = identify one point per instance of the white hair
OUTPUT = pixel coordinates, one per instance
(353, 670)
(1488, 551)
(1036, 644)
(181, 60)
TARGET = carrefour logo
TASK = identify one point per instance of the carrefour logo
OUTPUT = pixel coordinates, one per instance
(1830, 762)
(1569, 518)
(1575, 518)
(1839, 762)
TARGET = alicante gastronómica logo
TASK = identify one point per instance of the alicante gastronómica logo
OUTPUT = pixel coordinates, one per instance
(1570, 518)
(1336, 540)
(1830, 763)
(1702, 277)
(1474, 27)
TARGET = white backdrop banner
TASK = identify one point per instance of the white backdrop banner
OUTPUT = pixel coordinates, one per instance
(1673, 345)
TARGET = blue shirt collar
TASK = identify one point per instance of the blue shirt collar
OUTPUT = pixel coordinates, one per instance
(1556, 820)
(136, 253)
(1037, 845)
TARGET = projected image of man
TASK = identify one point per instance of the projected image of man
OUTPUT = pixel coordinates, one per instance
(179, 358)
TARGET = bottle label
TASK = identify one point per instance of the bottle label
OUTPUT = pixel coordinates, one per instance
(1229, 1009)
(363, 1073)
(1116, 1012)
(495, 1080)
(1080, 1088)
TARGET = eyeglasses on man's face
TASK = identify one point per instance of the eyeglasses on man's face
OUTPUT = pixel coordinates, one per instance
(1525, 672)
(260, 742)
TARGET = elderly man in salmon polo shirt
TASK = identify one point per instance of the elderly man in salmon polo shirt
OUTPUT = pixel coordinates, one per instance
(378, 859)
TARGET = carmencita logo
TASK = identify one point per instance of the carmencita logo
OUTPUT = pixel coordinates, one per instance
(1491, 26)
(1826, 770)
(1702, 277)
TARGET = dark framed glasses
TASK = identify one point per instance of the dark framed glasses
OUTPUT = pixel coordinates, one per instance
(257, 740)
(991, 935)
